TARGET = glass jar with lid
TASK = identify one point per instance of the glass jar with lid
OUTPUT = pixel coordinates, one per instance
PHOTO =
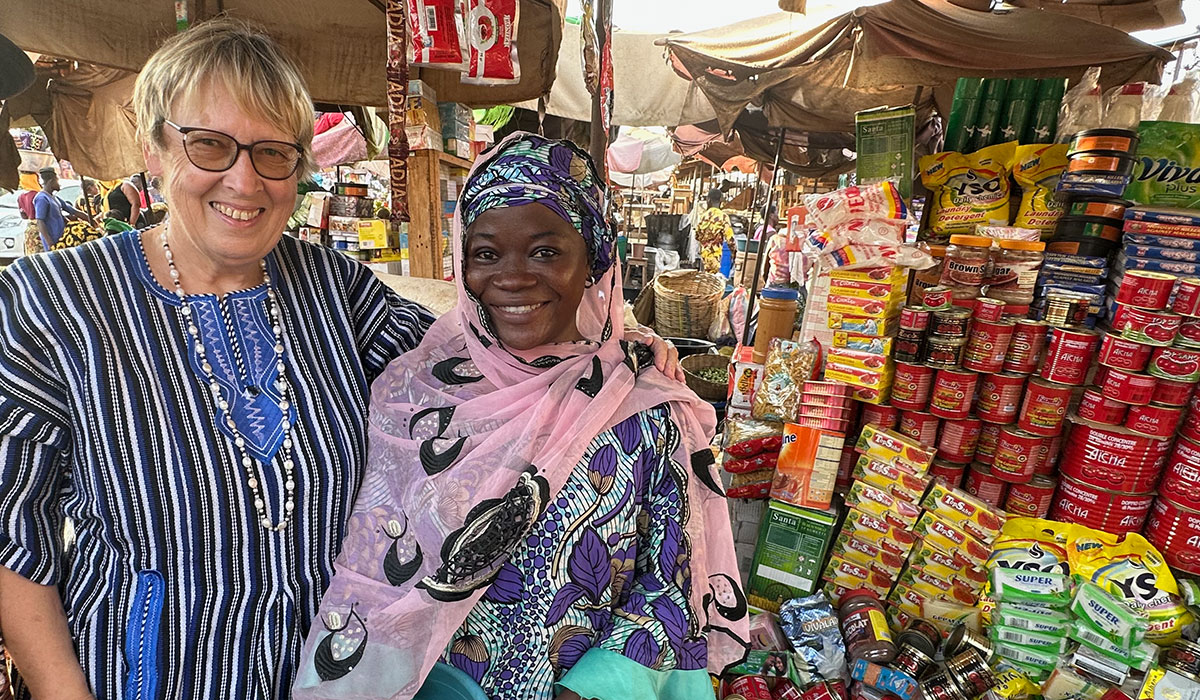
(865, 627)
(966, 266)
(1014, 271)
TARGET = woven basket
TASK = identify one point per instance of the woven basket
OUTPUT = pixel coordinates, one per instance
(685, 302)
(709, 391)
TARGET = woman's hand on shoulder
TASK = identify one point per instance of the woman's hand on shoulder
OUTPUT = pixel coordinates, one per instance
(666, 356)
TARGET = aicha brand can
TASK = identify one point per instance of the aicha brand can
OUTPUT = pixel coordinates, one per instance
(1189, 333)
(1113, 459)
(923, 427)
(1069, 355)
(1017, 453)
(914, 318)
(1100, 509)
(1187, 297)
(1176, 364)
(987, 309)
(952, 393)
(981, 483)
(1044, 408)
(1155, 421)
(1121, 353)
(949, 472)
(1127, 387)
(1145, 290)
(987, 346)
(959, 439)
(1146, 326)
(911, 386)
(1032, 499)
(944, 353)
(1181, 479)
(1094, 406)
(950, 322)
(985, 451)
(1028, 341)
(882, 416)
(999, 396)
(1174, 530)
(1172, 393)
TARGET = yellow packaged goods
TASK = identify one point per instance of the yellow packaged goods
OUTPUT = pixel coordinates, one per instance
(1036, 171)
(1033, 544)
(896, 480)
(1129, 568)
(934, 560)
(969, 190)
(878, 532)
(951, 539)
(945, 614)
(869, 555)
(882, 504)
(971, 514)
(893, 448)
(908, 600)
(843, 572)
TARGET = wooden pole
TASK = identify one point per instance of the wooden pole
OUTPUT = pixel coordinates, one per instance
(758, 260)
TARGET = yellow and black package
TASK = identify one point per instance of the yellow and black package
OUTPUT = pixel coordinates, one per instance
(967, 190)
(1036, 170)
(1129, 568)
(1032, 544)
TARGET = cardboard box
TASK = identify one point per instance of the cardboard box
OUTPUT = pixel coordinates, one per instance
(458, 146)
(420, 88)
(883, 139)
(423, 111)
(806, 472)
(372, 233)
(318, 209)
(792, 544)
(423, 138)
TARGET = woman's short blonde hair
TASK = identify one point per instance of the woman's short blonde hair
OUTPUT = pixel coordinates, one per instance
(263, 81)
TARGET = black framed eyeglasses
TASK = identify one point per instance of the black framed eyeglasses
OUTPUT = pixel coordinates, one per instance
(216, 151)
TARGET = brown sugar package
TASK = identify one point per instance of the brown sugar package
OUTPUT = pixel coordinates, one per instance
(789, 364)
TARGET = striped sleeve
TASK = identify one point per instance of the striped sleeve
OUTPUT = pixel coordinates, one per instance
(385, 324)
(34, 439)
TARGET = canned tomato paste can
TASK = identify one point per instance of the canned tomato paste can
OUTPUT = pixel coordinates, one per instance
(1174, 530)
(1118, 352)
(944, 353)
(999, 396)
(1187, 297)
(970, 671)
(882, 416)
(1044, 408)
(1028, 341)
(1070, 355)
(786, 690)
(1113, 460)
(1181, 480)
(989, 433)
(1017, 453)
(987, 309)
(1189, 427)
(909, 346)
(914, 318)
(1094, 406)
(1032, 499)
(911, 386)
(751, 687)
(982, 484)
(1176, 364)
(959, 440)
(950, 322)
(1145, 326)
(1051, 447)
(1189, 333)
(937, 298)
(987, 345)
(1145, 290)
(1152, 420)
(923, 427)
(1169, 392)
(949, 472)
(953, 391)
(1100, 509)
(1127, 387)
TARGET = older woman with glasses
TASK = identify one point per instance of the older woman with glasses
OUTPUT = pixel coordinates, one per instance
(193, 398)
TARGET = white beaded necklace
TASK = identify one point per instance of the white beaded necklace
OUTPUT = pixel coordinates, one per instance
(281, 384)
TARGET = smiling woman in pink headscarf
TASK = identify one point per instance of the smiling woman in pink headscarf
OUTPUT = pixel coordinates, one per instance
(539, 510)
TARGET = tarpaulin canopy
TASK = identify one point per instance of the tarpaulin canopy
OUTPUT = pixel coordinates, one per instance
(814, 78)
(1126, 15)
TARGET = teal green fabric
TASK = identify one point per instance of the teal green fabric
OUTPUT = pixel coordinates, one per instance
(601, 674)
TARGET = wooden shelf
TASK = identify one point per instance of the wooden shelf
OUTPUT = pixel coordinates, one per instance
(451, 159)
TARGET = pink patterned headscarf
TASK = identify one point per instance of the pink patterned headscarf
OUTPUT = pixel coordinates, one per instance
(469, 442)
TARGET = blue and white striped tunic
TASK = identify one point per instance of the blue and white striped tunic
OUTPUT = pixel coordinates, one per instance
(172, 589)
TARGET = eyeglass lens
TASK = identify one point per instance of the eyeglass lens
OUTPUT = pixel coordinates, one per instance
(215, 152)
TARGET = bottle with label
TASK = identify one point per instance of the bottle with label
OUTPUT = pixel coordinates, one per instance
(865, 627)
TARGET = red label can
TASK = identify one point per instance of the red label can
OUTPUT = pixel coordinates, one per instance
(949, 472)
(911, 386)
(959, 440)
(1172, 393)
(982, 484)
(921, 426)
(1145, 326)
(1044, 408)
(1050, 449)
(1095, 407)
(1187, 297)
(914, 318)
(988, 309)
(953, 391)
(1028, 341)
(1017, 453)
(1181, 480)
(751, 687)
(1156, 421)
(1069, 355)
(1118, 352)
(936, 298)
(1032, 499)
(786, 690)
(1127, 387)
(1110, 459)
(1100, 509)
(987, 345)
(1175, 531)
(882, 416)
(1146, 290)
(1189, 333)
(1176, 364)
(989, 433)
(999, 396)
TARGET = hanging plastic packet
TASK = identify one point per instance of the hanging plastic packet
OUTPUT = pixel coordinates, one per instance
(492, 39)
(861, 231)
(745, 437)
(967, 190)
(789, 364)
(1008, 233)
(811, 625)
(436, 36)
(1082, 107)
(881, 200)
(1036, 170)
(858, 255)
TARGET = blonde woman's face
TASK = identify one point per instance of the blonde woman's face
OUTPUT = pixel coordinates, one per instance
(233, 217)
